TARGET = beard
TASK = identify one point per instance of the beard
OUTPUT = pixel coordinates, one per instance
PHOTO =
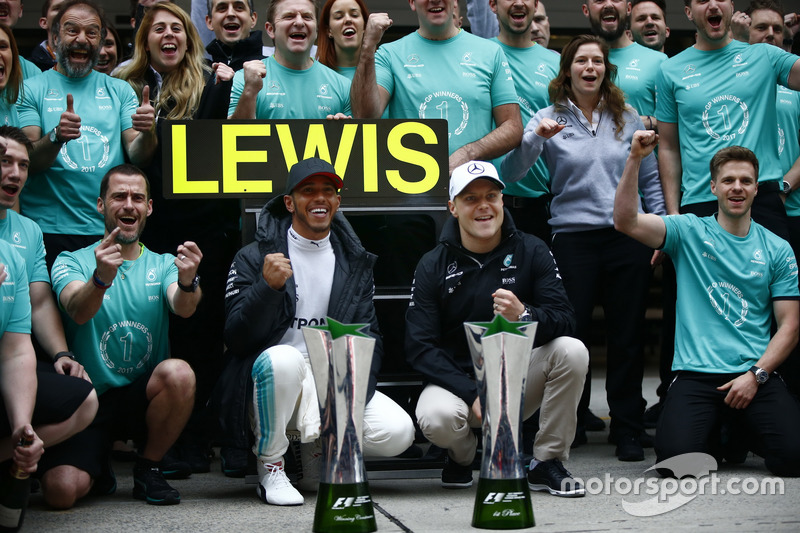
(124, 237)
(600, 31)
(76, 71)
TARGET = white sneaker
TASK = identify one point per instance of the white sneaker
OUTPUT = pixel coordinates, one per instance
(311, 459)
(274, 487)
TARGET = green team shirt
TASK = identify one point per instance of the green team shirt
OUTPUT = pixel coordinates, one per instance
(15, 304)
(63, 198)
(532, 69)
(25, 235)
(788, 106)
(721, 98)
(8, 112)
(313, 93)
(461, 79)
(128, 335)
(29, 69)
(347, 72)
(637, 72)
(726, 287)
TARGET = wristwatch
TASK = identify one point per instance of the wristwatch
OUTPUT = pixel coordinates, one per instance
(54, 136)
(787, 188)
(192, 286)
(761, 375)
(526, 315)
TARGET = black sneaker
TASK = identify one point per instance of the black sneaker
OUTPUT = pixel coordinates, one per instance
(233, 461)
(593, 422)
(645, 439)
(173, 467)
(456, 476)
(149, 484)
(629, 448)
(551, 476)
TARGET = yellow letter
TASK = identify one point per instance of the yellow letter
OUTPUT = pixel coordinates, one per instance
(406, 155)
(370, 147)
(180, 179)
(231, 157)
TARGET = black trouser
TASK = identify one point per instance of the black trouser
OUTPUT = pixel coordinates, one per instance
(617, 267)
(530, 214)
(694, 409)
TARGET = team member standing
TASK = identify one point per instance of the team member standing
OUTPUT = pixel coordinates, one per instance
(440, 71)
(341, 30)
(289, 84)
(81, 123)
(584, 138)
(532, 67)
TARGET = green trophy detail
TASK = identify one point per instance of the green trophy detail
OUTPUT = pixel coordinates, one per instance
(503, 504)
(344, 508)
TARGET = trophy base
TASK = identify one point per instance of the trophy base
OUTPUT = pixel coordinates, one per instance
(503, 504)
(344, 507)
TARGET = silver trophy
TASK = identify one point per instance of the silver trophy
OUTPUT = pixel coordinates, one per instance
(341, 359)
(501, 353)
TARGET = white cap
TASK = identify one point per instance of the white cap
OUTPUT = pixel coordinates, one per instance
(465, 174)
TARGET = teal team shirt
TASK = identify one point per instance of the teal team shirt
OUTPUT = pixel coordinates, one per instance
(722, 98)
(63, 198)
(347, 72)
(532, 69)
(8, 112)
(15, 304)
(726, 287)
(637, 72)
(313, 93)
(788, 106)
(25, 235)
(460, 79)
(128, 335)
(29, 69)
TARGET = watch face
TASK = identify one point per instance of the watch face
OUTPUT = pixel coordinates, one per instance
(762, 376)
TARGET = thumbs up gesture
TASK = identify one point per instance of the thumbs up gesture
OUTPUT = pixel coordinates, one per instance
(145, 116)
(69, 126)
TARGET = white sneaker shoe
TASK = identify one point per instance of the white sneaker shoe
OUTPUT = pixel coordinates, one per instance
(274, 487)
(311, 459)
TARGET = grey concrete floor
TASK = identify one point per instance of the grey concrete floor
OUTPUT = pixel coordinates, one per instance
(212, 502)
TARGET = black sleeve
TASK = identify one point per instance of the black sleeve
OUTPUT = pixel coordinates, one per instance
(424, 336)
(255, 313)
(549, 305)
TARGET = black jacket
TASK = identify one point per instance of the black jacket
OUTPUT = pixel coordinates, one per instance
(217, 96)
(41, 57)
(257, 316)
(452, 286)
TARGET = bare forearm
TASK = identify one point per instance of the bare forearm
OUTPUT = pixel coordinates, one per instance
(365, 97)
(185, 303)
(18, 381)
(45, 319)
(142, 148)
(44, 154)
(82, 304)
(496, 143)
(246, 106)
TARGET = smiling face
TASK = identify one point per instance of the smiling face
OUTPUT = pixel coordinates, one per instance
(231, 20)
(14, 166)
(479, 210)
(712, 19)
(313, 203)
(166, 42)
(735, 187)
(293, 30)
(648, 26)
(514, 16)
(125, 206)
(608, 18)
(435, 17)
(587, 71)
(6, 59)
(78, 41)
(346, 25)
(108, 56)
(10, 12)
(766, 26)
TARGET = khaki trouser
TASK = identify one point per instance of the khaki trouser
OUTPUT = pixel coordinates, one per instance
(554, 383)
